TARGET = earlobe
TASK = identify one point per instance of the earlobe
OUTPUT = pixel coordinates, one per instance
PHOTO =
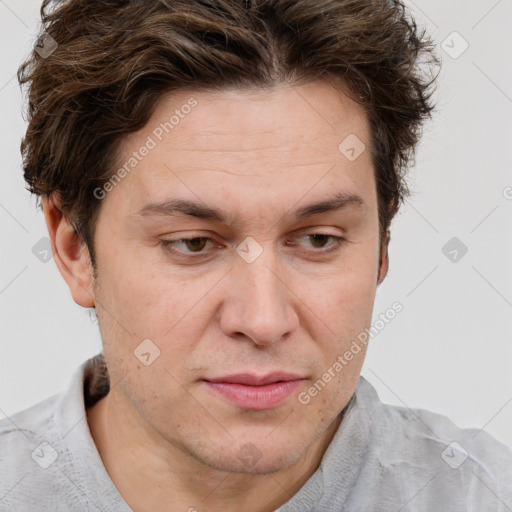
(70, 253)
(383, 261)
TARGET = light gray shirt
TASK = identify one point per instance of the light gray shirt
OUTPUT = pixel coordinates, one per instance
(382, 458)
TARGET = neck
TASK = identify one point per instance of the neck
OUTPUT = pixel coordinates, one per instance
(137, 459)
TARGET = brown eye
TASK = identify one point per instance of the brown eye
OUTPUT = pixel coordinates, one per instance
(319, 240)
(321, 243)
(195, 244)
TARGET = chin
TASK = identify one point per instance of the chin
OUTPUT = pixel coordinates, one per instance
(261, 456)
(265, 463)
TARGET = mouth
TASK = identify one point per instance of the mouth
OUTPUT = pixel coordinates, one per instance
(252, 392)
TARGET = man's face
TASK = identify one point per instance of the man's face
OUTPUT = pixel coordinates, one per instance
(219, 304)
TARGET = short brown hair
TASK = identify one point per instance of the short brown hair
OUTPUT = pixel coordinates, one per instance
(116, 58)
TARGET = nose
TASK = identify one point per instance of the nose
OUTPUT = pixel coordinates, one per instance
(260, 304)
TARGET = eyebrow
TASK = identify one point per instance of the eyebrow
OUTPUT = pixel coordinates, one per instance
(340, 201)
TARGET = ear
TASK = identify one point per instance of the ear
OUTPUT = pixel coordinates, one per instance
(383, 260)
(70, 253)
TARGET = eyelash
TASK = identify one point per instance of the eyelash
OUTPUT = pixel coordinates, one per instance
(168, 245)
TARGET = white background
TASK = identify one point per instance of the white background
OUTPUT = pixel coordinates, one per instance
(449, 350)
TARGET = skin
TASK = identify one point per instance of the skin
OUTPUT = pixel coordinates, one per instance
(259, 156)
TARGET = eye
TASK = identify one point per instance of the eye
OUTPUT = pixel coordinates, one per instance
(190, 245)
(320, 241)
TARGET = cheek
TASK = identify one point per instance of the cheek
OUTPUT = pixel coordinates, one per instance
(171, 310)
(343, 308)
(145, 298)
(344, 300)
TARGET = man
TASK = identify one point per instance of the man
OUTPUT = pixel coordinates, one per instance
(218, 180)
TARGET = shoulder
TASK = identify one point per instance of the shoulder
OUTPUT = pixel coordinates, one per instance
(469, 463)
(425, 428)
(19, 431)
(420, 430)
(418, 456)
(29, 447)
(48, 460)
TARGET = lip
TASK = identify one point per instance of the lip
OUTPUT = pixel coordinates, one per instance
(253, 392)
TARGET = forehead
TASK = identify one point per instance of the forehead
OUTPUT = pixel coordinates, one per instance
(277, 141)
